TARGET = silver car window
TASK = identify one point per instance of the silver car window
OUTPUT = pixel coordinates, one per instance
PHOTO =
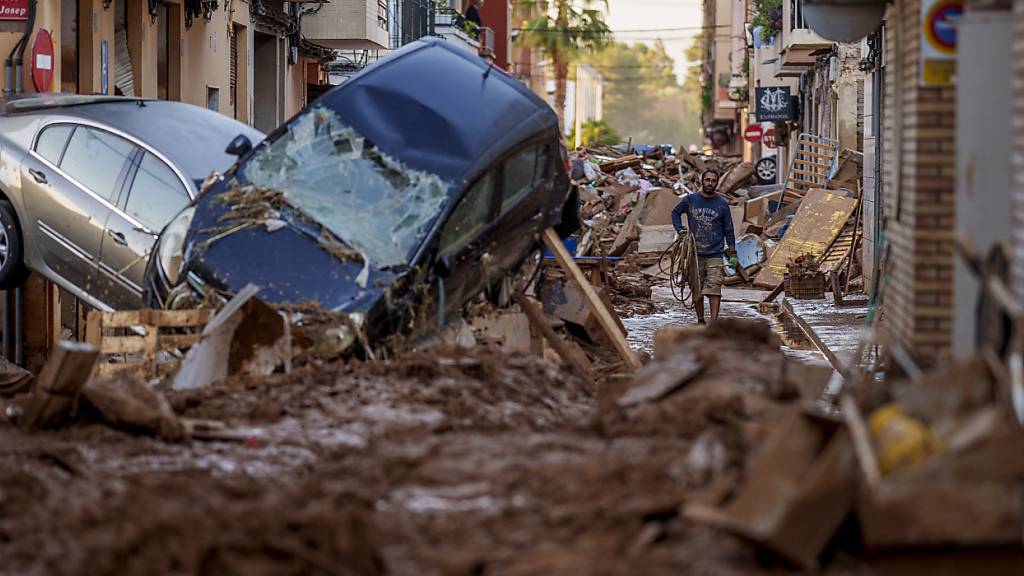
(156, 194)
(50, 144)
(95, 159)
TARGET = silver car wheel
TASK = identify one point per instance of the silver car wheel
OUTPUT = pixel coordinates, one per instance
(766, 170)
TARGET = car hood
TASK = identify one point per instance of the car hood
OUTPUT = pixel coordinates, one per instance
(290, 258)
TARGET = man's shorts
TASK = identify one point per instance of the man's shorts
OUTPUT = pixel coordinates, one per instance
(712, 274)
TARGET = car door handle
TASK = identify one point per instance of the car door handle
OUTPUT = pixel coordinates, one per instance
(37, 175)
(117, 237)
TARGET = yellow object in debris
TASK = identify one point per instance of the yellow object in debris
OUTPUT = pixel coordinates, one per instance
(899, 439)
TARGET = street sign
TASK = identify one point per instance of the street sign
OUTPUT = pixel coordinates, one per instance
(775, 104)
(42, 61)
(768, 138)
(13, 9)
(938, 40)
(752, 133)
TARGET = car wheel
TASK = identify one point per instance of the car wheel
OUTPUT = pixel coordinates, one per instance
(13, 272)
(766, 170)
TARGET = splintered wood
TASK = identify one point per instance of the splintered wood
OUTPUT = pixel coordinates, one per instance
(821, 217)
(140, 337)
(604, 315)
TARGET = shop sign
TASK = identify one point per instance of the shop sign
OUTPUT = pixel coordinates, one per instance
(775, 104)
(13, 9)
(938, 40)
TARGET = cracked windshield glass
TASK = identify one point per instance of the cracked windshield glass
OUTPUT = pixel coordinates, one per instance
(369, 200)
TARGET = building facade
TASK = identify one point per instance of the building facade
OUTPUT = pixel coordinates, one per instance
(243, 59)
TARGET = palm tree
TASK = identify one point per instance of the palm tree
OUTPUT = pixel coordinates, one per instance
(562, 31)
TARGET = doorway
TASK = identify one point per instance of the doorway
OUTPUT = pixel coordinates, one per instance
(265, 87)
(69, 46)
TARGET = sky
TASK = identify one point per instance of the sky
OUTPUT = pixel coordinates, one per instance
(676, 22)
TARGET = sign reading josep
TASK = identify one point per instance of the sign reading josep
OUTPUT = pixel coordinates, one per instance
(938, 40)
(774, 104)
(13, 9)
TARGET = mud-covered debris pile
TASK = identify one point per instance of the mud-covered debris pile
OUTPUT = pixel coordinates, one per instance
(435, 389)
(442, 461)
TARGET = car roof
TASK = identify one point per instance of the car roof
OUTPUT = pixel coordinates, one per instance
(440, 108)
(172, 128)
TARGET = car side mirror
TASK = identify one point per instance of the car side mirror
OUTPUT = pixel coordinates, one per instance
(443, 266)
(239, 146)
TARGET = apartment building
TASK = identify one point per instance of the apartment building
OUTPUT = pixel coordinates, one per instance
(724, 77)
(246, 59)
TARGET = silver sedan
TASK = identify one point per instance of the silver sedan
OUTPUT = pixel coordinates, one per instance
(88, 182)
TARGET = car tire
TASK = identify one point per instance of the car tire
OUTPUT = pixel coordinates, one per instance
(13, 272)
(571, 219)
(766, 170)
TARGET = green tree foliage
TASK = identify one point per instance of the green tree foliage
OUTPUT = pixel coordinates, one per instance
(563, 31)
(643, 98)
(595, 132)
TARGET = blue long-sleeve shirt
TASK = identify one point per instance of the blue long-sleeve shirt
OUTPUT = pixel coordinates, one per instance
(710, 223)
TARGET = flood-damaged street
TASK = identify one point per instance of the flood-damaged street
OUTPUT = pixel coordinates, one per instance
(511, 288)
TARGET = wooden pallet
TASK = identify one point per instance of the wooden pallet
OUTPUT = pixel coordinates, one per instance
(129, 342)
(812, 162)
(839, 251)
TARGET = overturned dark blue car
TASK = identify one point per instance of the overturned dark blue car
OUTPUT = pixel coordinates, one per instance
(396, 197)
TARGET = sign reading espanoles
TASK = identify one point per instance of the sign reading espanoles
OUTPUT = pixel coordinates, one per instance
(775, 104)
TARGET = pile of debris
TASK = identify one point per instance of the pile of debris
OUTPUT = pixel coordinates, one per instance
(627, 200)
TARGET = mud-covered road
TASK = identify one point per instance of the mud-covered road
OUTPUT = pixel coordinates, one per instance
(441, 462)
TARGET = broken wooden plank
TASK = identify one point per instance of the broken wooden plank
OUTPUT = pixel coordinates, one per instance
(554, 244)
(818, 221)
(808, 331)
(536, 317)
(661, 380)
(611, 166)
(55, 391)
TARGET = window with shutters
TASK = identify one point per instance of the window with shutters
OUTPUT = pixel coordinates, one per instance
(234, 66)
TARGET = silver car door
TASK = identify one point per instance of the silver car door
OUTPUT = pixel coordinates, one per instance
(70, 192)
(155, 195)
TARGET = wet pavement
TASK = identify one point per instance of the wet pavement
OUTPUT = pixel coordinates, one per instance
(671, 312)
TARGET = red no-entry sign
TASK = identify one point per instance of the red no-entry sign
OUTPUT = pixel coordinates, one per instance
(752, 133)
(42, 61)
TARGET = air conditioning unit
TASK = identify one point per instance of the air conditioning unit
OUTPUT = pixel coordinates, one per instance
(486, 42)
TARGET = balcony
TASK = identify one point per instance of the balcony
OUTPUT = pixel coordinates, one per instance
(453, 27)
(797, 36)
(349, 25)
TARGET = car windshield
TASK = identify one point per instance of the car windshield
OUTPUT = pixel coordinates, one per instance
(369, 200)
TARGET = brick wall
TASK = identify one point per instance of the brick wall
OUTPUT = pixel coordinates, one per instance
(1017, 154)
(919, 175)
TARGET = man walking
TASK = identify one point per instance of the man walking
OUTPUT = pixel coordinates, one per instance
(710, 224)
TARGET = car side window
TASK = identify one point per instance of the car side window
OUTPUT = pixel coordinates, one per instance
(51, 141)
(469, 217)
(523, 172)
(95, 159)
(156, 194)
